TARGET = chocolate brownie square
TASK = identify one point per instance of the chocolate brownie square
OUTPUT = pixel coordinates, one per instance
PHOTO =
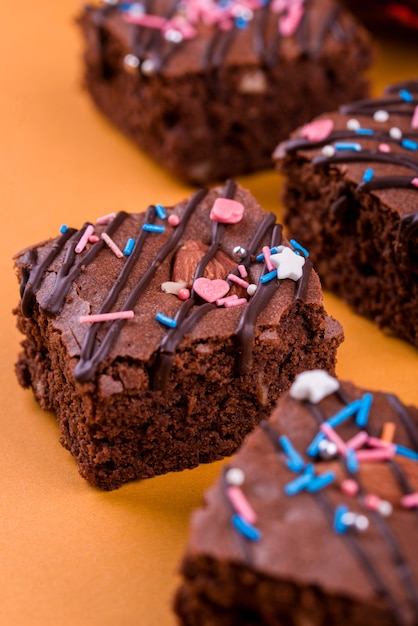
(351, 194)
(314, 521)
(161, 339)
(209, 88)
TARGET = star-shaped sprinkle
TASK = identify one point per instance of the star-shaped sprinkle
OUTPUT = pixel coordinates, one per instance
(288, 263)
(313, 385)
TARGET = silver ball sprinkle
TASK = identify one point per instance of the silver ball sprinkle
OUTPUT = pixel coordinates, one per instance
(251, 289)
(381, 116)
(353, 124)
(395, 132)
(148, 67)
(173, 36)
(239, 253)
(131, 63)
(137, 9)
(384, 508)
(235, 477)
(361, 523)
(327, 449)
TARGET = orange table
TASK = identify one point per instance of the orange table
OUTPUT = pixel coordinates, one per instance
(71, 555)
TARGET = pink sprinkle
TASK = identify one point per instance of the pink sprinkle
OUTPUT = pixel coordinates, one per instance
(414, 122)
(238, 280)
(150, 21)
(317, 130)
(414, 182)
(106, 219)
(243, 270)
(358, 440)
(116, 251)
(227, 211)
(333, 436)
(267, 255)
(372, 501)
(384, 147)
(410, 501)
(94, 239)
(238, 302)
(106, 317)
(288, 23)
(221, 301)
(350, 487)
(184, 294)
(241, 504)
(173, 219)
(378, 454)
(375, 442)
(84, 239)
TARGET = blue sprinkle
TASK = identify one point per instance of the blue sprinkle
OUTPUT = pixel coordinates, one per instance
(167, 321)
(363, 411)
(267, 277)
(301, 482)
(364, 131)
(129, 246)
(406, 95)
(339, 525)
(260, 257)
(351, 460)
(409, 144)
(368, 175)
(241, 23)
(345, 145)
(295, 462)
(63, 229)
(160, 211)
(407, 452)
(344, 414)
(153, 228)
(250, 532)
(313, 448)
(319, 482)
(297, 247)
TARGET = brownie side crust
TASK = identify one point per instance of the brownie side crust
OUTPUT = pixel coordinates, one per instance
(137, 398)
(215, 105)
(289, 565)
(356, 209)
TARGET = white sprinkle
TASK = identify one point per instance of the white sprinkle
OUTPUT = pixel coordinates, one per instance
(385, 508)
(381, 116)
(251, 289)
(313, 385)
(131, 62)
(235, 476)
(328, 151)
(148, 67)
(395, 132)
(173, 36)
(361, 522)
(353, 124)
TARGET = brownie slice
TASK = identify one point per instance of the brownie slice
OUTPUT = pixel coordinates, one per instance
(208, 89)
(215, 332)
(314, 521)
(351, 194)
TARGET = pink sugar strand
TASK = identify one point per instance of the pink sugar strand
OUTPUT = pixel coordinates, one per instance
(221, 301)
(84, 239)
(105, 219)
(410, 501)
(94, 239)
(375, 442)
(378, 454)
(242, 271)
(267, 255)
(371, 501)
(146, 19)
(350, 487)
(414, 182)
(334, 437)
(106, 317)
(238, 280)
(358, 440)
(414, 121)
(116, 251)
(238, 302)
(241, 504)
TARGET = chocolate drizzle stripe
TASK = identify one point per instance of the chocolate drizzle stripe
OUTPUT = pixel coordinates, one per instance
(36, 274)
(326, 27)
(73, 265)
(87, 365)
(388, 182)
(303, 282)
(349, 156)
(405, 418)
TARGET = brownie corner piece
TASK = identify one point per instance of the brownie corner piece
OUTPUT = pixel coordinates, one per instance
(296, 530)
(351, 195)
(160, 339)
(208, 89)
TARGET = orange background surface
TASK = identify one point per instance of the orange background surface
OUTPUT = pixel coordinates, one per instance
(69, 554)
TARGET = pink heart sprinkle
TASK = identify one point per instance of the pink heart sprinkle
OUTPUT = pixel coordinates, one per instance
(227, 211)
(318, 130)
(210, 290)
